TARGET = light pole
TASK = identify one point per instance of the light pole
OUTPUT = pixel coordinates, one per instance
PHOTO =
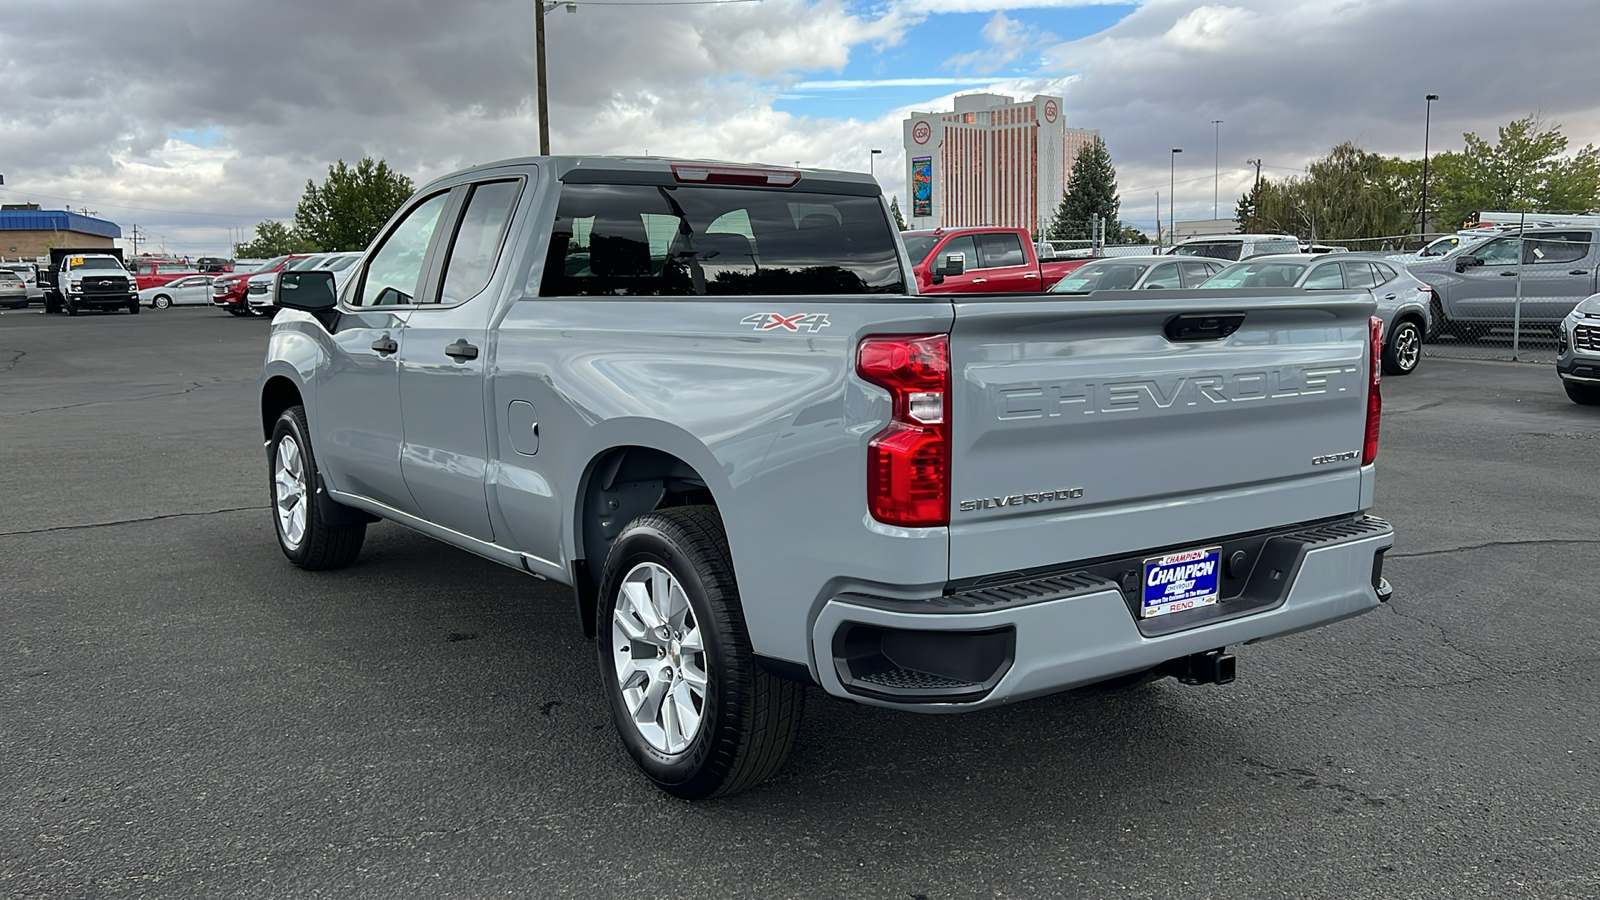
(1427, 124)
(1216, 166)
(540, 7)
(872, 161)
(1172, 198)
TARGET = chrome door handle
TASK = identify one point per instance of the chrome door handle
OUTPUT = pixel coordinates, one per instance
(1031, 275)
(979, 280)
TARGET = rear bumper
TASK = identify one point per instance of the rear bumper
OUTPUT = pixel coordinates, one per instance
(993, 645)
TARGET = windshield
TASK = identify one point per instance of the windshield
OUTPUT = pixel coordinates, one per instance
(1214, 250)
(1257, 275)
(77, 263)
(1100, 277)
(340, 263)
(918, 246)
(301, 265)
(272, 263)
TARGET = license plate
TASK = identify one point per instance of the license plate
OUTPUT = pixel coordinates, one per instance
(1180, 581)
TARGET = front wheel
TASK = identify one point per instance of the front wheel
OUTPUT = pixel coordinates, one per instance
(1582, 394)
(304, 537)
(162, 301)
(72, 308)
(1403, 350)
(691, 706)
(133, 307)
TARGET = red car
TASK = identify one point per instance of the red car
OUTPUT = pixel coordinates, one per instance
(992, 261)
(151, 273)
(228, 291)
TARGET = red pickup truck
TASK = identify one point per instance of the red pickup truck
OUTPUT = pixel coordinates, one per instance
(991, 261)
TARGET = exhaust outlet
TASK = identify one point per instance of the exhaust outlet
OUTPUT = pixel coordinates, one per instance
(1211, 667)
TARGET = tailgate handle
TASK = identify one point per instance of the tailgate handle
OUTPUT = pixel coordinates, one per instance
(1203, 326)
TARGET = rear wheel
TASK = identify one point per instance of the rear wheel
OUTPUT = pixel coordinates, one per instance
(691, 706)
(304, 537)
(1583, 394)
(1403, 350)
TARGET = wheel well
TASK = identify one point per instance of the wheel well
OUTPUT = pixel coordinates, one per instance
(277, 395)
(622, 484)
(1412, 317)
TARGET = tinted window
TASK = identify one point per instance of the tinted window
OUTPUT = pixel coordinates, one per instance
(643, 240)
(1163, 276)
(1556, 247)
(477, 242)
(1324, 278)
(1386, 274)
(918, 245)
(1359, 275)
(1257, 275)
(1196, 273)
(963, 247)
(1214, 250)
(1499, 252)
(999, 250)
(1100, 277)
(395, 274)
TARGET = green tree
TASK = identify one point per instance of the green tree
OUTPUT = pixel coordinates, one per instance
(1091, 190)
(894, 207)
(1345, 195)
(1131, 235)
(1526, 168)
(349, 207)
(273, 238)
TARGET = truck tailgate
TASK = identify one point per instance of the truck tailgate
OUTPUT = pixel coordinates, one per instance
(1091, 427)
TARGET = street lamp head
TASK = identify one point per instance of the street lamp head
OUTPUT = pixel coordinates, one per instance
(877, 151)
(1433, 96)
(1177, 149)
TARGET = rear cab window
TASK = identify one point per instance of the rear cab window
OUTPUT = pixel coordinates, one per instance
(641, 240)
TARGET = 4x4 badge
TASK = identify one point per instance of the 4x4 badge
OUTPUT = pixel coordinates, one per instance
(813, 322)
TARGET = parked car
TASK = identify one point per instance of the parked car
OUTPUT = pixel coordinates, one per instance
(190, 290)
(1578, 352)
(262, 291)
(214, 265)
(1132, 273)
(1237, 246)
(229, 291)
(156, 272)
(764, 461)
(13, 290)
(980, 261)
(1402, 298)
(1477, 287)
(29, 273)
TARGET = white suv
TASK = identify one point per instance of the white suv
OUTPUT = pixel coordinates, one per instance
(1578, 360)
(1237, 246)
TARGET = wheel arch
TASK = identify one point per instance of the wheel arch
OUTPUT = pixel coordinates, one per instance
(619, 484)
(278, 393)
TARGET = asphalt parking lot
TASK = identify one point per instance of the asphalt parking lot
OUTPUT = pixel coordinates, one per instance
(182, 713)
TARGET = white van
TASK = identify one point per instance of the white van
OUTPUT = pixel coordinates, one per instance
(1237, 246)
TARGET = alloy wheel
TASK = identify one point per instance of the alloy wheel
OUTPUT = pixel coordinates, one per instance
(660, 658)
(289, 490)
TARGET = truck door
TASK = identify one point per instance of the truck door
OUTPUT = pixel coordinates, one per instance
(1557, 272)
(1487, 292)
(445, 454)
(1006, 267)
(358, 401)
(972, 280)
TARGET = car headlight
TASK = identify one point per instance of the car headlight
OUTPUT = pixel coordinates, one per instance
(74, 285)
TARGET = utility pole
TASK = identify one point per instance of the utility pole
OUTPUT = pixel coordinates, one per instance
(1216, 167)
(1427, 124)
(540, 7)
(1255, 193)
(135, 237)
(1172, 195)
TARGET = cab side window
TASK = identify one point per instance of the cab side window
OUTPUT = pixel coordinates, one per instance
(477, 240)
(1556, 248)
(1499, 252)
(394, 275)
(962, 246)
(1000, 250)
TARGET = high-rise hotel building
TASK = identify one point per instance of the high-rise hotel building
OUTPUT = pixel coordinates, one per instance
(991, 161)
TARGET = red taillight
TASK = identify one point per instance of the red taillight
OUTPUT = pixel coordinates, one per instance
(749, 176)
(908, 462)
(1369, 449)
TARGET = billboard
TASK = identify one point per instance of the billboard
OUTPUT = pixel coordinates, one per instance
(922, 186)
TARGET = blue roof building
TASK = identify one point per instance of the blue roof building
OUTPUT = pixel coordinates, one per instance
(31, 233)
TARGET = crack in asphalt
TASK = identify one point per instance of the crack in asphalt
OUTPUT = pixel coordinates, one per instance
(87, 525)
(12, 362)
(1490, 544)
(193, 386)
(1444, 636)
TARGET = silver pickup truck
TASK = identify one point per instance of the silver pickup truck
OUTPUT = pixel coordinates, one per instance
(1544, 270)
(709, 399)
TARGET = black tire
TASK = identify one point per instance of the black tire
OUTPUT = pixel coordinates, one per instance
(1435, 318)
(1582, 394)
(748, 718)
(1402, 352)
(72, 308)
(233, 312)
(320, 546)
(134, 307)
(161, 301)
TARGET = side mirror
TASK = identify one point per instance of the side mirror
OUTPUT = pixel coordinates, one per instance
(1466, 262)
(306, 291)
(954, 264)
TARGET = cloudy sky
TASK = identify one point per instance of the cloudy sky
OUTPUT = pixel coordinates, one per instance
(196, 119)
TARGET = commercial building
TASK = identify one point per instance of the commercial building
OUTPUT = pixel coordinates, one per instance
(993, 160)
(26, 231)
